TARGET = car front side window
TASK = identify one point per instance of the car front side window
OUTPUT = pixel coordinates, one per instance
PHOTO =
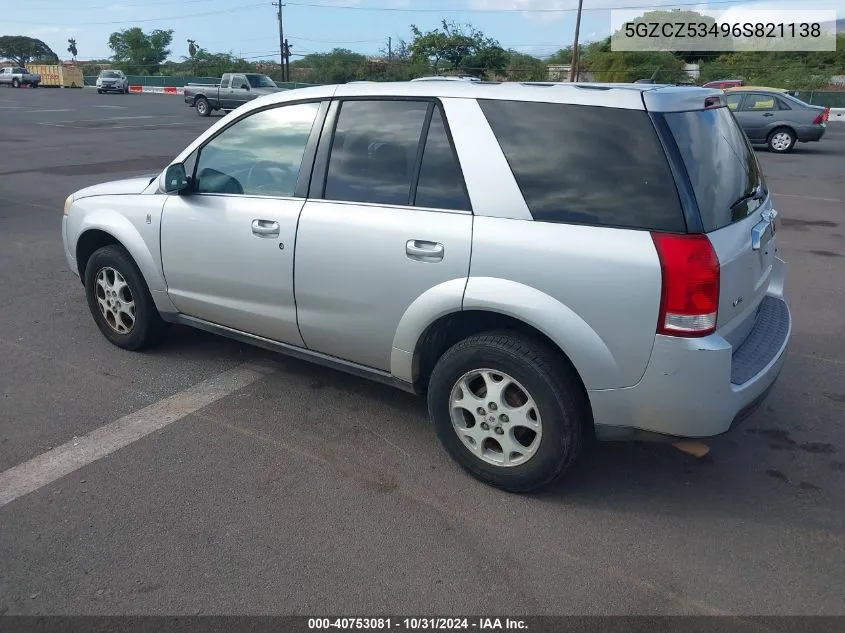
(260, 155)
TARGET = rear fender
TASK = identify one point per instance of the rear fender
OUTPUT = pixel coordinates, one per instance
(582, 345)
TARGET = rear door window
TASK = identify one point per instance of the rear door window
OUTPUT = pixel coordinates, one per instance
(722, 167)
(441, 183)
(374, 151)
(587, 164)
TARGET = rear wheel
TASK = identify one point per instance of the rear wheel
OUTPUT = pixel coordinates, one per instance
(781, 141)
(202, 106)
(120, 301)
(508, 410)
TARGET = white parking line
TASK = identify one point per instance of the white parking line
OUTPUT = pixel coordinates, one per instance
(57, 110)
(111, 127)
(39, 471)
(112, 118)
(789, 195)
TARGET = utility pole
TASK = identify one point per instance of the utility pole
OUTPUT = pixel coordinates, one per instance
(390, 49)
(287, 61)
(281, 39)
(576, 53)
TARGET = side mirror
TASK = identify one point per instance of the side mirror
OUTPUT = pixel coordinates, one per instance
(175, 179)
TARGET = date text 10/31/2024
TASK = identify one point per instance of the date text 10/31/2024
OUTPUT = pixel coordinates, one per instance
(421, 623)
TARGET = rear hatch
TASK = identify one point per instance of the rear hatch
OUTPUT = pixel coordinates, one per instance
(735, 208)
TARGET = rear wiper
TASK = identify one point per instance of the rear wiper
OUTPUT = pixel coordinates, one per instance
(759, 193)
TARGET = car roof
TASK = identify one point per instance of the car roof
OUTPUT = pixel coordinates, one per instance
(657, 97)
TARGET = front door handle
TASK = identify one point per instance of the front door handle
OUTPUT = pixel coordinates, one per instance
(424, 251)
(769, 114)
(265, 228)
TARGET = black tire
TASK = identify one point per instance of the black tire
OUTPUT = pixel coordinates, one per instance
(775, 141)
(203, 106)
(99, 92)
(148, 326)
(35, 85)
(550, 381)
(16, 83)
(126, 90)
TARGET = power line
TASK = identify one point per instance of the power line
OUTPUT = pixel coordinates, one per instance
(165, 18)
(526, 10)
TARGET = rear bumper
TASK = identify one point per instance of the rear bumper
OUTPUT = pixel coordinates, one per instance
(698, 388)
(811, 133)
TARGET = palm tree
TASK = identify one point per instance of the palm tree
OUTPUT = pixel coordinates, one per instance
(72, 48)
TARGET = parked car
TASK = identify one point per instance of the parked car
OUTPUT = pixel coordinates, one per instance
(17, 76)
(439, 237)
(723, 84)
(112, 81)
(776, 118)
(447, 78)
(234, 90)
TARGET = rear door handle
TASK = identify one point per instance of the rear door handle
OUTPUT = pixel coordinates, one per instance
(424, 251)
(265, 228)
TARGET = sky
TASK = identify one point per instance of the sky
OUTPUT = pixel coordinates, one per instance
(248, 28)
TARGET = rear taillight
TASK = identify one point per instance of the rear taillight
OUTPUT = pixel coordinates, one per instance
(822, 118)
(689, 301)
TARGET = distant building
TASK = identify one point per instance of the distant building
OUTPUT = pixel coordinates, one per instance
(559, 72)
(692, 70)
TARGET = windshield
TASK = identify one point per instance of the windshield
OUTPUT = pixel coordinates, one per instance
(721, 165)
(110, 74)
(260, 81)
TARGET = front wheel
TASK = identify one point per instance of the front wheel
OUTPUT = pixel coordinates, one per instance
(508, 409)
(202, 106)
(782, 141)
(120, 301)
(16, 83)
(99, 92)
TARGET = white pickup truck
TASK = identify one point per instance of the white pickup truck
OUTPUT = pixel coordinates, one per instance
(17, 76)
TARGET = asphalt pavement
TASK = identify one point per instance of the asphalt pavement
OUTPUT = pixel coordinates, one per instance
(300, 490)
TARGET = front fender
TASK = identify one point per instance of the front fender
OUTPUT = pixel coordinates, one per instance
(582, 345)
(121, 219)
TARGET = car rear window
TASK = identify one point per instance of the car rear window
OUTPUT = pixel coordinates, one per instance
(722, 167)
(587, 165)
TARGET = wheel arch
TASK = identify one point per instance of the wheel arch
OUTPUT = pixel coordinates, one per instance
(420, 341)
(100, 228)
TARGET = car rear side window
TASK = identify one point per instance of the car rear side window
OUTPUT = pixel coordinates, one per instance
(374, 151)
(722, 167)
(587, 165)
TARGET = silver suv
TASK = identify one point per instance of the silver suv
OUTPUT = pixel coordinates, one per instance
(546, 263)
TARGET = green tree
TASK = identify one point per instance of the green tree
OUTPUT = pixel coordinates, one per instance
(457, 48)
(338, 66)
(522, 67)
(563, 56)
(22, 50)
(623, 66)
(690, 49)
(139, 53)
